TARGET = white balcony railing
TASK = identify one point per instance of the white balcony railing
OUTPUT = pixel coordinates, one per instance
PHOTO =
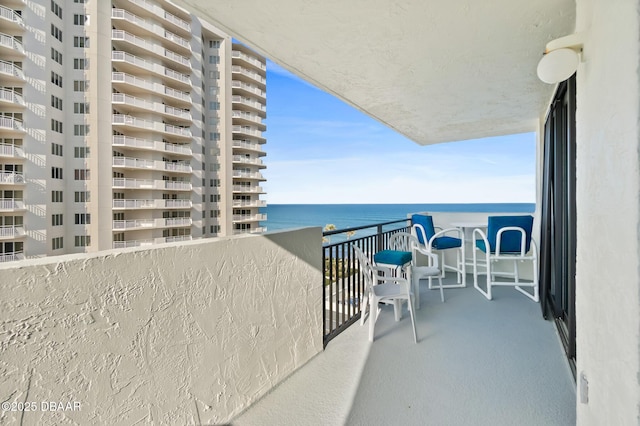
(120, 56)
(11, 42)
(11, 204)
(129, 120)
(149, 26)
(249, 73)
(12, 256)
(151, 223)
(249, 203)
(11, 123)
(10, 15)
(248, 145)
(247, 131)
(249, 217)
(247, 116)
(248, 189)
(150, 241)
(11, 69)
(8, 95)
(257, 230)
(248, 87)
(253, 61)
(7, 150)
(151, 184)
(128, 141)
(160, 12)
(132, 204)
(245, 174)
(124, 99)
(11, 178)
(248, 102)
(247, 160)
(149, 46)
(11, 231)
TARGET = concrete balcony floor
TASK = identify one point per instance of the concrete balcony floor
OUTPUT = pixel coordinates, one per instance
(477, 362)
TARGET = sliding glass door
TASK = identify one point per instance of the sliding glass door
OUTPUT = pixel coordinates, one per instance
(558, 242)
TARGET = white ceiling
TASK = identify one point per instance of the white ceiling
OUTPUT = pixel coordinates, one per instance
(434, 70)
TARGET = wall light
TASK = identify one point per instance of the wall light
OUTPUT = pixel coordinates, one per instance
(561, 58)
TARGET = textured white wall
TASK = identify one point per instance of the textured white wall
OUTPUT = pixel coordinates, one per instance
(182, 334)
(608, 252)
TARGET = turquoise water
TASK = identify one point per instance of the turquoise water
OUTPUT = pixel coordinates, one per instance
(286, 216)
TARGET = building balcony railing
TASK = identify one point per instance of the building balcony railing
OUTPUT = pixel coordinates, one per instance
(12, 43)
(10, 204)
(163, 14)
(249, 203)
(242, 159)
(155, 48)
(157, 107)
(150, 26)
(128, 120)
(9, 15)
(252, 103)
(257, 230)
(150, 241)
(248, 175)
(11, 256)
(248, 73)
(253, 61)
(134, 204)
(11, 231)
(11, 178)
(247, 131)
(11, 70)
(254, 146)
(157, 88)
(236, 84)
(255, 118)
(249, 217)
(12, 97)
(154, 67)
(13, 151)
(146, 144)
(131, 183)
(11, 123)
(139, 163)
(137, 224)
(244, 189)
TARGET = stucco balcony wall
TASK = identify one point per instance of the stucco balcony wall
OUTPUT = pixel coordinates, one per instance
(182, 333)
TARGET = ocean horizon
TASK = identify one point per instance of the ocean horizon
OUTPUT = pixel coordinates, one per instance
(287, 216)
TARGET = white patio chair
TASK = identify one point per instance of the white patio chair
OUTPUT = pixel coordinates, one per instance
(381, 288)
(430, 271)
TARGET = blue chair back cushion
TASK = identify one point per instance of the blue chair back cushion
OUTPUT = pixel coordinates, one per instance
(392, 257)
(510, 242)
(440, 243)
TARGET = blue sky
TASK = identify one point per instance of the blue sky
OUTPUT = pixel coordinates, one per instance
(322, 151)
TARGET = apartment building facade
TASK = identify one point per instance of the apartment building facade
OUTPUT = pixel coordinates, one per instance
(124, 123)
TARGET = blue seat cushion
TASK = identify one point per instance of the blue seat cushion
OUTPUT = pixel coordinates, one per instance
(443, 243)
(481, 245)
(392, 257)
(511, 240)
(427, 225)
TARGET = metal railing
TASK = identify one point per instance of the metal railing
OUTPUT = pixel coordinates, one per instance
(343, 285)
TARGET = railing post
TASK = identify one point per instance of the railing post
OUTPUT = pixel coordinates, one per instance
(379, 230)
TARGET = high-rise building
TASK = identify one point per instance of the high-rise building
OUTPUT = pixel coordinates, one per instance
(124, 123)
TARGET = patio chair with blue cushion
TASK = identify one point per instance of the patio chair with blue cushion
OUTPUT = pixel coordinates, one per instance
(422, 227)
(508, 238)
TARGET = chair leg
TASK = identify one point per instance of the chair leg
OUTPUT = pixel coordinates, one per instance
(373, 314)
(490, 277)
(441, 290)
(416, 289)
(397, 309)
(413, 320)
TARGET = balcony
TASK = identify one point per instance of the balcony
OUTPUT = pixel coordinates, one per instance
(258, 230)
(254, 161)
(252, 146)
(247, 130)
(128, 61)
(12, 72)
(248, 59)
(143, 46)
(248, 102)
(250, 117)
(138, 224)
(11, 232)
(11, 97)
(10, 123)
(11, 151)
(249, 203)
(11, 256)
(130, 183)
(136, 84)
(168, 18)
(149, 28)
(255, 90)
(146, 144)
(244, 189)
(134, 204)
(10, 19)
(11, 178)
(10, 204)
(252, 75)
(249, 217)
(134, 103)
(11, 44)
(156, 126)
(150, 241)
(248, 175)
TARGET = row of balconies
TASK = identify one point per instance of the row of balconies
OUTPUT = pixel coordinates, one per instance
(244, 189)
(151, 204)
(248, 160)
(237, 84)
(11, 231)
(11, 204)
(150, 26)
(10, 42)
(163, 14)
(11, 178)
(141, 123)
(150, 241)
(10, 16)
(161, 89)
(248, 73)
(157, 107)
(9, 69)
(146, 144)
(119, 225)
(139, 163)
(151, 47)
(151, 66)
(248, 102)
(13, 151)
(249, 217)
(131, 183)
(249, 59)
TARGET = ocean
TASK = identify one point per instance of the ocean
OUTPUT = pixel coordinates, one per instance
(287, 216)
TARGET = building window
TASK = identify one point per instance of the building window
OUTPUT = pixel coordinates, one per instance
(79, 41)
(80, 85)
(215, 44)
(80, 129)
(56, 32)
(214, 106)
(80, 108)
(82, 174)
(79, 1)
(57, 243)
(56, 173)
(83, 240)
(80, 63)
(56, 79)
(56, 149)
(56, 220)
(214, 59)
(56, 126)
(56, 102)
(214, 136)
(83, 218)
(79, 19)
(56, 196)
(82, 196)
(56, 9)
(81, 152)
(56, 56)
(214, 74)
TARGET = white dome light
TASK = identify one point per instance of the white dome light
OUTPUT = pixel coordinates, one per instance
(558, 65)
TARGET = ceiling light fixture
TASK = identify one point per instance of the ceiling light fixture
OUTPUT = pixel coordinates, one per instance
(561, 58)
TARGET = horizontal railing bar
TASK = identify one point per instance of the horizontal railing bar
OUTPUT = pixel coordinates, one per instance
(357, 228)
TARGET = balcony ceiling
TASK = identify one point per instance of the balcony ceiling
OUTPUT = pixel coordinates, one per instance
(435, 71)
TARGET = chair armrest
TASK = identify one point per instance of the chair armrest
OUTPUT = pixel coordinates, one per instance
(523, 238)
(480, 233)
(433, 258)
(443, 232)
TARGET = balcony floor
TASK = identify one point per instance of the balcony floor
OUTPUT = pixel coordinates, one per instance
(477, 362)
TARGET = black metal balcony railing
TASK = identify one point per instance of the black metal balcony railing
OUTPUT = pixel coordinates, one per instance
(343, 284)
